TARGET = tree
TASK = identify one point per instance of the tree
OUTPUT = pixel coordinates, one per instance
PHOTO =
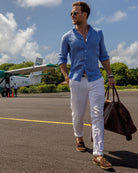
(6, 66)
(21, 65)
(11, 66)
(123, 75)
(56, 77)
(120, 71)
(133, 76)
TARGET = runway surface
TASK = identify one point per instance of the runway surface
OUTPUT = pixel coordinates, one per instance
(36, 136)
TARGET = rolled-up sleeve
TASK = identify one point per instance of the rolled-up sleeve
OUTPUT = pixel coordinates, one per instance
(103, 53)
(64, 49)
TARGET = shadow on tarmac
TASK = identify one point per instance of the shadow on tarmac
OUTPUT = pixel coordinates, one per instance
(90, 151)
(125, 159)
(121, 158)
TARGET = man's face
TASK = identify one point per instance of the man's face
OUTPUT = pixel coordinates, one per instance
(76, 15)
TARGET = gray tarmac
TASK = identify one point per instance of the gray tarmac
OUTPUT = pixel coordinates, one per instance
(46, 146)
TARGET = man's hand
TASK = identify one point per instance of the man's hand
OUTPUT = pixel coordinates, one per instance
(111, 82)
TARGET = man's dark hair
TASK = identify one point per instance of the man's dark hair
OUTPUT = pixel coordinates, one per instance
(84, 7)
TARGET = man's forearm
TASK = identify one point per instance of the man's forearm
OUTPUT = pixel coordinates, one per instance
(64, 70)
(106, 65)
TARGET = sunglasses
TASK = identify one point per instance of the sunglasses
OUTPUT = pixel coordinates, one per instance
(74, 13)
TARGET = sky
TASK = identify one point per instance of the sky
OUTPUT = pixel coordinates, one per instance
(33, 28)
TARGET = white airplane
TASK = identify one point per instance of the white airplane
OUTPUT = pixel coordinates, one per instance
(16, 76)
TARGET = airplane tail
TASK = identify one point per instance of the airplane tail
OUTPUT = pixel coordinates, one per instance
(39, 61)
(35, 76)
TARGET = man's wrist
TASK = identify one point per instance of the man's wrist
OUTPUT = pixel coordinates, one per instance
(110, 76)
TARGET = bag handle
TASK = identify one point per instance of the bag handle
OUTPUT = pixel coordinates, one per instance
(114, 91)
(107, 92)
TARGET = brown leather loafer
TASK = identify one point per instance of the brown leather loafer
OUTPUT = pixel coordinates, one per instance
(80, 146)
(102, 162)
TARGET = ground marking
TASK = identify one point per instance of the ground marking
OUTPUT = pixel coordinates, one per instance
(39, 121)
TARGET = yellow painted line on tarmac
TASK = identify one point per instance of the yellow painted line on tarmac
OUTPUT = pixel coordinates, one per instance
(39, 121)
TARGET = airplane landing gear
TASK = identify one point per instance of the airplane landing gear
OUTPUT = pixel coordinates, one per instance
(4, 94)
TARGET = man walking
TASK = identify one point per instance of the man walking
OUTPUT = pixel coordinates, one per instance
(85, 46)
(15, 89)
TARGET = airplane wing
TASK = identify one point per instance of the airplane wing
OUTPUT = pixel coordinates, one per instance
(26, 70)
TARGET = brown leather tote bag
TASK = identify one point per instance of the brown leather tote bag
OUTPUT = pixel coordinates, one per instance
(116, 116)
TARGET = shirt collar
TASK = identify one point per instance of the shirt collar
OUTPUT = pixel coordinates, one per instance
(78, 34)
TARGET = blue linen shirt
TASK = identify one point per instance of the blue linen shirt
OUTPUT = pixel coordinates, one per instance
(84, 54)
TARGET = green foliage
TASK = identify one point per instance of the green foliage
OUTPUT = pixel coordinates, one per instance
(133, 76)
(56, 77)
(127, 87)
(33, 89)
(11, 66)
(21, 65)
(120, 71)
(119, 68)
(46, 88)
(23, 90)
(6, 66)
(63, 88)
(124, 77)
(104, 74)
(42, 88)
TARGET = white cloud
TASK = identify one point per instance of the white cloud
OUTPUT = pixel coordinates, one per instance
(31, 50)
(127, 55)
(28, 19)
(7, 22)
(4, 58)
(15, 43)
(118, 16)
(35, 3)
(133, 7)
(51, 58)
(99, 20)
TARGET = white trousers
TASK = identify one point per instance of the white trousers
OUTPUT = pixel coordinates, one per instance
(81, 92)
